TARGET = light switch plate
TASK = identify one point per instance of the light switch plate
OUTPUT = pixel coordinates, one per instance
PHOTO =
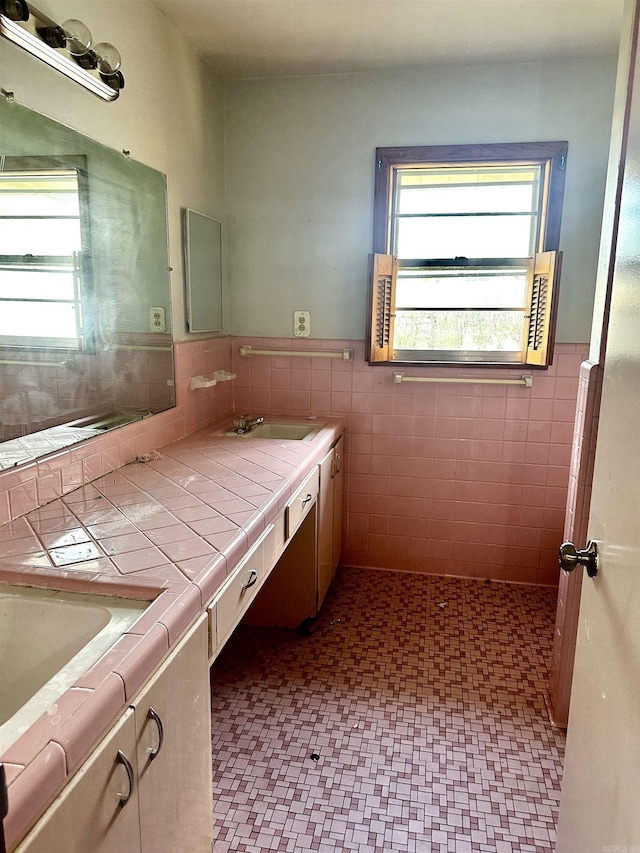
(301, 324)
(157, 320)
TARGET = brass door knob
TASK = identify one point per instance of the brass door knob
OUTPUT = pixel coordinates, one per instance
(570, 557)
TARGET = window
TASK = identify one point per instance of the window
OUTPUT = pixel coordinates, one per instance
(41, 253)
(466, 263)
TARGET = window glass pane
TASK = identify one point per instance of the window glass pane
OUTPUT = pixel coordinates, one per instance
(462, 289)
(459, 330)
(27, 284)
(43, 237)
(39, 193)
(38, 320)
(499, 198)
(46, 204)
(458, 174)
(466, 236)
(486, 182)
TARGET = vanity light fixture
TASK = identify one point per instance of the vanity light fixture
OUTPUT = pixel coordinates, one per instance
(67, 47)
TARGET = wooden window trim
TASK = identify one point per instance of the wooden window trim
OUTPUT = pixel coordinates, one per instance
(551, 155)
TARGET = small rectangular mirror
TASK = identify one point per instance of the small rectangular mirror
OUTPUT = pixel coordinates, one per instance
(202, 240)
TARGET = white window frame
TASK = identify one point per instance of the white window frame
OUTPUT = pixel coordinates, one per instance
(77, 264)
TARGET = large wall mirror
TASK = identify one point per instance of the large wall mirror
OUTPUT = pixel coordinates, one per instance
(85, 342)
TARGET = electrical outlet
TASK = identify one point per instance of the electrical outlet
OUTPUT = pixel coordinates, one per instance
(157, 320)
(301, 324)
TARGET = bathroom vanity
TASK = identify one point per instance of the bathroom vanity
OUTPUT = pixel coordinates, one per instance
(146, 788)
(126, 764)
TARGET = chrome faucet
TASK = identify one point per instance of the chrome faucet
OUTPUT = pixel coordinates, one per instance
(244, 424)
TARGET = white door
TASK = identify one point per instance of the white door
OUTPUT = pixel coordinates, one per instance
(90, 815)
(600, 803)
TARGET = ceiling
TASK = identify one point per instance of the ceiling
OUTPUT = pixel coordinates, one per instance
(274, 38)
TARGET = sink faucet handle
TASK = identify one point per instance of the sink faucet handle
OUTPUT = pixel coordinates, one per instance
(243, 423)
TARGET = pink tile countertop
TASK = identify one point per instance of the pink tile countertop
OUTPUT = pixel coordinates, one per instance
(167, 530)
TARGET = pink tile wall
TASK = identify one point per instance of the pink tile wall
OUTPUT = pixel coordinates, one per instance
(444, 479)
(37, 397)
(134, 380)
(34, 397)
(38, 483)
(575, 530)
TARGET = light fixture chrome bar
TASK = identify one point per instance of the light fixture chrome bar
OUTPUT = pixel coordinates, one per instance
(18, 33)
(345, 354)
(524, 381)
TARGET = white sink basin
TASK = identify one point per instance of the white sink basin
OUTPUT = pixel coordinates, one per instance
(292, 432)
(288, 432)
(48, 639)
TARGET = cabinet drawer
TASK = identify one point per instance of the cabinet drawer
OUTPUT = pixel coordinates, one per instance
(300, 504)
(241, 588)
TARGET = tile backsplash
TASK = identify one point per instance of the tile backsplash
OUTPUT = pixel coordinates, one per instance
(444, 479)
(441, 478)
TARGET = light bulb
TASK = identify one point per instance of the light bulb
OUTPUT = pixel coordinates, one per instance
(109, 59)
(15, 10)
(79, 37)
(53, 36)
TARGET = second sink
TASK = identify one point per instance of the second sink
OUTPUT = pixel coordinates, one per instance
(288, 432)
(295, 432)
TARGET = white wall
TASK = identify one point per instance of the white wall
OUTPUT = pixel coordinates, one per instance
(169, 116)
(299, 165)
(300, 155)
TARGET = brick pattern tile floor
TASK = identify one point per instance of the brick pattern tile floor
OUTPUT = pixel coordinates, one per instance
(421, 699)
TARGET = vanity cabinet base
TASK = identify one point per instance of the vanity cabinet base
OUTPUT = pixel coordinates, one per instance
(146, 788)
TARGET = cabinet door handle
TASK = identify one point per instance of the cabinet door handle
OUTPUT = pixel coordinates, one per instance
(253, 577)
(121, 758)
(338, 463)
(306, 500)
(155, 716)
(333, 468)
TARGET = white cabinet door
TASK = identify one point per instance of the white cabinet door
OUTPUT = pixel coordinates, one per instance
(338, 487)
(90, 816)
(330, 517)
(173, 730)
(158, 758)
(325, 524)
